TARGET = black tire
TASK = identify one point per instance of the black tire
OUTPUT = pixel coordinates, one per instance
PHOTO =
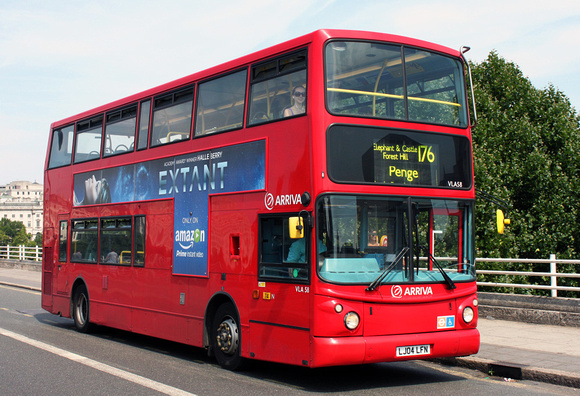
(226, 337)
(81, 309)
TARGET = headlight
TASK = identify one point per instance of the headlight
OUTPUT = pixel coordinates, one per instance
(468, 314)
(351, 320)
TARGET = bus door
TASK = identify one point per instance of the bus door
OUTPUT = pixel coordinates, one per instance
(280, 317)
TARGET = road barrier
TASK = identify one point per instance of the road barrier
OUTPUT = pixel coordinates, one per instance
(21, 252)
(553, 274)
(34, 253)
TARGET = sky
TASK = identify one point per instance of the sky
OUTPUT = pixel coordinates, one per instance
(60, 58)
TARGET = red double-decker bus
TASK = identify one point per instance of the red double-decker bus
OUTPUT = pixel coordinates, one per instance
(309, 204)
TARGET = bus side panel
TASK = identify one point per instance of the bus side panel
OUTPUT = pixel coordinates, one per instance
(57, 196)
(279, 344)
(233, 254)
(163, 304)
(47, 268)
(110, 294)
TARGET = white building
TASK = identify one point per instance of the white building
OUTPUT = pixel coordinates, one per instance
(22, 201)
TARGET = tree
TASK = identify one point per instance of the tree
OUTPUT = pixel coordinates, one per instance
(4, 239)
(38, 239)
(13, 233)
(11, 229)
(527, 152)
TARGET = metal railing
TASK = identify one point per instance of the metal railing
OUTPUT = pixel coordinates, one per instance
(21, 252)
(553, 274)
(35, 253)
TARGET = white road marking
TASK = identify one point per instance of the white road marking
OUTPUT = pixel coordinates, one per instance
(137, 379)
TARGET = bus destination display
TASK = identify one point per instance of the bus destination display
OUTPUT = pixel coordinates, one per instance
(366, 155)
(403, 161)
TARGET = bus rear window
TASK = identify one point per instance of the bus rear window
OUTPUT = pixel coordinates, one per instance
(61, 147)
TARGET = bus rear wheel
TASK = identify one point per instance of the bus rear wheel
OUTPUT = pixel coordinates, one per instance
(226, 337)
(81, 309)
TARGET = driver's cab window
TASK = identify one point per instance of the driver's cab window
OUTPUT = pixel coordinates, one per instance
(282, 257)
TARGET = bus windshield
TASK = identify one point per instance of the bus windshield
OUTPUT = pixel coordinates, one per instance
(387, 81)
(409, 239)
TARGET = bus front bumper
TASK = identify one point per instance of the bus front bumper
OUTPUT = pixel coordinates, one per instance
(328, 351)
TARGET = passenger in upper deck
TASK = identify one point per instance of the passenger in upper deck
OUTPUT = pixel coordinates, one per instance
(299, 106)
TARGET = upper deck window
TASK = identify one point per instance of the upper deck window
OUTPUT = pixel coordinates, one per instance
(172, 117)
(393, 82)
(221, 103)
(144, 114)
(61, 147)
(120, 131)
(277, 86)
(89, 136)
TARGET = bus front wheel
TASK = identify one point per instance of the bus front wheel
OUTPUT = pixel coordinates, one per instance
(226, 337)
(81, 309)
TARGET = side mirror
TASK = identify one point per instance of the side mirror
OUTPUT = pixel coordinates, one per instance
(501, 221)
(296, 227)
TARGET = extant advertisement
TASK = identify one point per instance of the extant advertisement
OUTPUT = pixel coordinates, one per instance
(189, 179)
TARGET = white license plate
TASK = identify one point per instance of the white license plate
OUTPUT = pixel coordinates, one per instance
(413, 350)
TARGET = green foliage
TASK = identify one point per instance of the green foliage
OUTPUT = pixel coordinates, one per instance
(527, 152)
(14, 233)
(38, 239)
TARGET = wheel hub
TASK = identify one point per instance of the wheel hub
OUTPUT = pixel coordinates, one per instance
(228, 337)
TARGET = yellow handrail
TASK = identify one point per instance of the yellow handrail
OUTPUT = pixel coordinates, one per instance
(383, 95)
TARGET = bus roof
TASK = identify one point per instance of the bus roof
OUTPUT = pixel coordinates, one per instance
(318, 35)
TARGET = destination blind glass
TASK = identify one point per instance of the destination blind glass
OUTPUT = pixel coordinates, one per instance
(359, 154)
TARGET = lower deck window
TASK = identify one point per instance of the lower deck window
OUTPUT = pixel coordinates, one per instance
(139, 241)
(84, 241)
(111, 241)
(116, 241)
(62, 241)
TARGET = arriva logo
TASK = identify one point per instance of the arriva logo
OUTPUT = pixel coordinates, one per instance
(281, 200)
(397, 291)
(269, 201)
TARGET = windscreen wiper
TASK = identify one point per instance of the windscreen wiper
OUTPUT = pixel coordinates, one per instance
(386, 271)
(448, 280)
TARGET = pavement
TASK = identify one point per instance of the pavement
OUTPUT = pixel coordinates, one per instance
(509, 349)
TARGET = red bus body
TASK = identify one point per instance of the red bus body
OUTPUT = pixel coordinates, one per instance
(161, 289)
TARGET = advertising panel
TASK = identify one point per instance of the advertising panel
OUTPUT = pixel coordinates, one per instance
(189, 179)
